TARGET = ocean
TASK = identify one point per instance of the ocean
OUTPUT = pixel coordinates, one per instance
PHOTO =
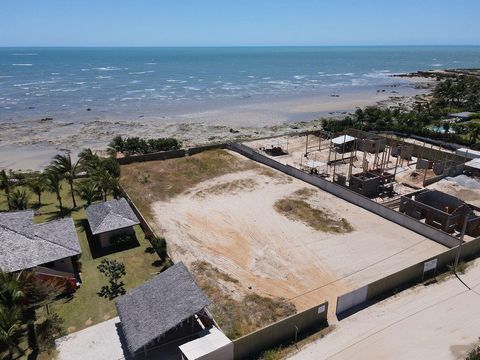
(134, 82)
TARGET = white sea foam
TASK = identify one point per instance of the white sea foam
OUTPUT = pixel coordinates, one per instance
(103, 77)
(176, 81)
(436, 65)
(299, 77)
(151, 63)
(141, 72)
(22, 64)
(109, 68)
(191, 88)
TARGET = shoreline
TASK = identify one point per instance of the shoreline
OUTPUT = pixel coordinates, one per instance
(30, 144)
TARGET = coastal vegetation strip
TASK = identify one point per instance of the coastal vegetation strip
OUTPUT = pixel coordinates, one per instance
(428, 117)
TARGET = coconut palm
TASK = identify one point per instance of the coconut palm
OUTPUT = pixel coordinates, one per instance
(13, 332)
(18, 199)
(20, 295)
(53, 183)
(88, 191)
(37, 186)
(67, 169)
(5, 185)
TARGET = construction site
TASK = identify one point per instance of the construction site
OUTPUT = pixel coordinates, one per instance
(398, 173)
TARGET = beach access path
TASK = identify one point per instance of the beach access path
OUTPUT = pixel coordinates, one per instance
(438, 321)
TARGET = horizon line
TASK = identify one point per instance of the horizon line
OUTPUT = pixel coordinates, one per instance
(233, 46)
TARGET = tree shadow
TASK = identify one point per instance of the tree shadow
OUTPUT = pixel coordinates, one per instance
(150, 250)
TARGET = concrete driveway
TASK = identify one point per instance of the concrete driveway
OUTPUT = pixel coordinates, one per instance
(438, 321)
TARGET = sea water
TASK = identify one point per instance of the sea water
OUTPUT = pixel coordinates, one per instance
(76, 82)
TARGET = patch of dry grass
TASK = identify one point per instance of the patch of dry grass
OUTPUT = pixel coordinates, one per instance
(168, 178)
(242, 316)
(299, 210)
(231, 187)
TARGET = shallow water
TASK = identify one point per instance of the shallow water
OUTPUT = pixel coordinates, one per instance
(135, 82)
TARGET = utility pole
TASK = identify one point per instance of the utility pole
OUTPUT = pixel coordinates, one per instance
(459, 247)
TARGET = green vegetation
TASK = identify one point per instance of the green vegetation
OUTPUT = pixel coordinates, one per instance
(135, 145)
(20, 296)
(114, 270)
(451, 95)
(474, 354)
(49, 194)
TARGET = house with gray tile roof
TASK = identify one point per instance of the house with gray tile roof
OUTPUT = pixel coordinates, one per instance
(167, 308)
(110, 219)
(26, 245)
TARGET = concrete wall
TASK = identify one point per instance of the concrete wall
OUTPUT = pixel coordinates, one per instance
(163, 155)
(282, 331)
(173, 154)
(404, 278)
(65, 265)
(223, 353)
(350, 196)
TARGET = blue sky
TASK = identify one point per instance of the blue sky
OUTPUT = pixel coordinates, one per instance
(238, 22)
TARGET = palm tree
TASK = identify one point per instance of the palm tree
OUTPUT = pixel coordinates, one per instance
(67, 169)
(13, 331)
(103, 180)
(18, 199)
(37, 186)
(53, 183)
(87, 190)
(5, 185)
(20, 295)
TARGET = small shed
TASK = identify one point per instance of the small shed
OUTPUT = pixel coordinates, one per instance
(111, 219)
(343, 143)
(169, 309)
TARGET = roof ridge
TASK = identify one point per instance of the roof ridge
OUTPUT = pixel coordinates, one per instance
(54, 243)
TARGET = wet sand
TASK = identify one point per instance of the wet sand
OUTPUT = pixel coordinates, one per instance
(29, 144)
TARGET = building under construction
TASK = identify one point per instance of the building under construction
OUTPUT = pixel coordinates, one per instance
(443, 211)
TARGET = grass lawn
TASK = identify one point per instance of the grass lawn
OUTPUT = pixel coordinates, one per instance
(85, 307)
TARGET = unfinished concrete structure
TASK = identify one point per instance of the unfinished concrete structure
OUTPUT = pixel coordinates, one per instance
(443, 211)
(372, 144)
(372, 184)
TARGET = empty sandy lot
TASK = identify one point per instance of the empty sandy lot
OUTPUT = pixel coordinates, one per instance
(230, 221)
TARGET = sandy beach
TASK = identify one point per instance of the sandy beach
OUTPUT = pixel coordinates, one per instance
(29, 144)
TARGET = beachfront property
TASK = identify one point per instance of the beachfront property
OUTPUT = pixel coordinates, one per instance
(110, 220)
(166, 317)
(48, 249)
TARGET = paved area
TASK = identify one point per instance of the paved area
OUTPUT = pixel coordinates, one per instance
(438, 321)
(99, 342)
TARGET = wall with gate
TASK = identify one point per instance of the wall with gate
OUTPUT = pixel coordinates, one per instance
(368, 294)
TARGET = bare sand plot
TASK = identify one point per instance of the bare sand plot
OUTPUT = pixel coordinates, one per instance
(239, 224)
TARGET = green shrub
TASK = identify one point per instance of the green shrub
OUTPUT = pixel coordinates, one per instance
(160, 246)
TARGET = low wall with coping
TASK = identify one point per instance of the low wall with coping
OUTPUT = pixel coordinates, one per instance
(350, 196)
(285, 330)
(366, 295)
